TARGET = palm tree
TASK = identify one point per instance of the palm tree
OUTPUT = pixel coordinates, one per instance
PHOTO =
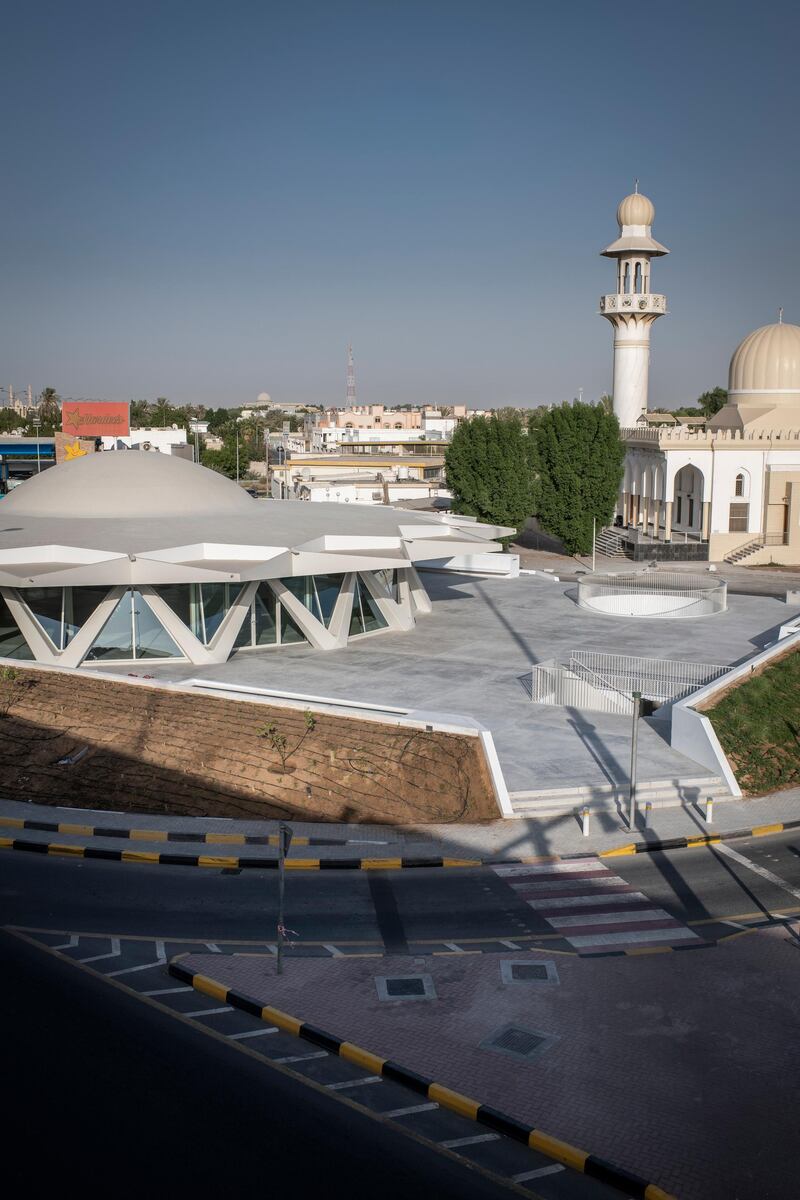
(140, 413)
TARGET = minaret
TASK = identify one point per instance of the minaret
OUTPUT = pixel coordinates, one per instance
(634, 307)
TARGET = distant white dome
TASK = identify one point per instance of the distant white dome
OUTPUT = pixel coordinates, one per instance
(636, 209)
(264, 398)
(768, 360)
(128, 484)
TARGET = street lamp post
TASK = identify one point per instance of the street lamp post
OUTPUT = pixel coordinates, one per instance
(37, 426)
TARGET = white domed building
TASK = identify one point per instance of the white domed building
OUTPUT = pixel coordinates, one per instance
(732, 490)
(121, 556)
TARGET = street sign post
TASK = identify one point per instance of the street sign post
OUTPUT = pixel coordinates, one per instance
(637, 705)
(284, 842)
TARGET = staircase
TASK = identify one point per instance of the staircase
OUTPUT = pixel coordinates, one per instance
(608, 797)
(609, 543)
(745, 551)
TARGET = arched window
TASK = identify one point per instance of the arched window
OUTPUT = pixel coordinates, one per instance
(637, 278)
(626, 283)
(738, 489)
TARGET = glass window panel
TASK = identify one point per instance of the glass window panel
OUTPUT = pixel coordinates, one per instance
(79, 604)
(245, 635)
(328, 588)
(216, 603)
(115, 639)
(290, 632)
(389, 580)
(373, 617)
(12, 643)
(152, 639)
(45, 604)
(301, 587)
(356, 615)
(366, 615)
(184, 600)
(266, 616)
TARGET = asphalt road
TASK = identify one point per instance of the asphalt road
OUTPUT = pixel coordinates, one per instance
(118, 1097)
(395, 907)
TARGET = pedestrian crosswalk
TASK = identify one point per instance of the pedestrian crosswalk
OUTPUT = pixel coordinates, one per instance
(591, 907)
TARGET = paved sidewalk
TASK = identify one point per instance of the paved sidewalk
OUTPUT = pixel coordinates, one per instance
(560, 835)
(665, 1065)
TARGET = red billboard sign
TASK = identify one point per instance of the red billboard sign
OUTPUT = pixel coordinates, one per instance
(95, 418)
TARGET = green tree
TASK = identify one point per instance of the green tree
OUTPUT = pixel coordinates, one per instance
(489, 467)
(9, 420)
(579, 457)
(141, 414)
(711, 402)
(223, 460)
(49, 412)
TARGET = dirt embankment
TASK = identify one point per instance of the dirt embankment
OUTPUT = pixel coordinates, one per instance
(152, 750)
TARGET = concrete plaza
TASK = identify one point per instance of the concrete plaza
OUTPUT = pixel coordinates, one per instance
(472, 657)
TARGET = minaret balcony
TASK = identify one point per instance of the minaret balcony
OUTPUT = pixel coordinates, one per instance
(633, 302)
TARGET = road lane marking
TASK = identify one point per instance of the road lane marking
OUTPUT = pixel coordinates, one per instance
(349, 1083)
(613, 918)
(238, 1037)
(115, 953)
(73, 941)
(770, 876)
(455, 1143)
(409, 1112)
(209, 1012)
(588, 900)
(646, 935)
(167, 991)
(525, 1175)
(292, 1058)
(130, 970)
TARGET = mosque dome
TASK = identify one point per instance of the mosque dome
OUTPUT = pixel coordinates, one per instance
(128, 484)
(768, 361)
(636, 209)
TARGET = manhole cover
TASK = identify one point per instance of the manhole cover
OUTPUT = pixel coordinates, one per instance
(528, 971)
(519, 1042)
(405, 987)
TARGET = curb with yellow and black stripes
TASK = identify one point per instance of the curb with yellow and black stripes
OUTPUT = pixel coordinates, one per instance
(243, 862)
(579, 1160)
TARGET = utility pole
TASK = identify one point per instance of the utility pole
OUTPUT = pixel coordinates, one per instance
(284, 842)
(637, 701)
(36, 426)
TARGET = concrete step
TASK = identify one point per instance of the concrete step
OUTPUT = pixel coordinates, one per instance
(661, 793)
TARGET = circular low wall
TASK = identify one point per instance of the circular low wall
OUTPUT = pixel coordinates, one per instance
(653, 594)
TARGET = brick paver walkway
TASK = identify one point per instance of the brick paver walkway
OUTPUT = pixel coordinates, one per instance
(683, 1067)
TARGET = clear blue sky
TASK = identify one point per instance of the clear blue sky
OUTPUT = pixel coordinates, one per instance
(205, 201)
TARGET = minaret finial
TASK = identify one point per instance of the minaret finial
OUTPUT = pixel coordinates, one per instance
(780, 316)
(636, 187)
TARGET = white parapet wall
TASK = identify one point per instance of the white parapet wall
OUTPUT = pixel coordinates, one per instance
(476, 564)
(692, 732)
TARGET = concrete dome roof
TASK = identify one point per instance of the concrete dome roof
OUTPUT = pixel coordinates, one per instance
(768, 361)
(636, 209)
(129, 484)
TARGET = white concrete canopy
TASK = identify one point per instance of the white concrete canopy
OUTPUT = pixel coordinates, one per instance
(177, 559)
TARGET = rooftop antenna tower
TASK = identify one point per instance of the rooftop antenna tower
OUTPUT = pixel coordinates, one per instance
(351, 379)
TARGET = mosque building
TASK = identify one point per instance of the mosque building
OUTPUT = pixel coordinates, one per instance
(732, 489)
